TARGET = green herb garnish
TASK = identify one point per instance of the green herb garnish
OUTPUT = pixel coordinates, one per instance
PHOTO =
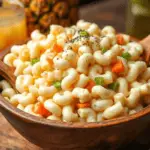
(83, 33)
(34, 61)
(113, 86)
(103, 50)
(99, 80)
(126, 55)
(57, 85)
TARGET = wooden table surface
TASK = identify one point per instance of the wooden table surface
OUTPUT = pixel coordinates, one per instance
(103, 13)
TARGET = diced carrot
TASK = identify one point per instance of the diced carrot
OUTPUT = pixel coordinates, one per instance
(90, 85)
(57, 48)
(118, 67)
(83, 105)
(50, 61)
(120, 39)
(42, 51)
(39, 109)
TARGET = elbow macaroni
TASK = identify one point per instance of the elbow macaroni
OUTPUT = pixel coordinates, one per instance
(79, 73)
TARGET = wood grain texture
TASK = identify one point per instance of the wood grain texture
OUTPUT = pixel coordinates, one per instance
(11, 140)
(106, 12)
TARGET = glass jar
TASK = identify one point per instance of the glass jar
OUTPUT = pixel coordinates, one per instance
(41, 14)
(12, 26)
(138, 18)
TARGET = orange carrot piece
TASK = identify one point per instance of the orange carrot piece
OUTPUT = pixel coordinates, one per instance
(83, 105)
(50, 61)
(42, 51)
(120, 39)
(90, 85)
(39, 109)
(118, 67)
(57, 48)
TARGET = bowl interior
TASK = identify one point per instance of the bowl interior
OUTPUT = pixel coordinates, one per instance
(33, 119)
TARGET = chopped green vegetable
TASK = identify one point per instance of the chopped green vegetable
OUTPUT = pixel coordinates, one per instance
(103, 50)
(126, 55)
(99, 80)
(113, 86)
(34, 61)
(57, 84)
(83, 33)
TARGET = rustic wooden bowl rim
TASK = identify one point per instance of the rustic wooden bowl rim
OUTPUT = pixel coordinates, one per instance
(60, 124)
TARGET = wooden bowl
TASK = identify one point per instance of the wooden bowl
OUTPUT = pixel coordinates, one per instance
(76, 136)
(53, 135)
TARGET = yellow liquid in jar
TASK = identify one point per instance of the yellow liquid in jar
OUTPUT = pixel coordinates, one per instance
(12, 26)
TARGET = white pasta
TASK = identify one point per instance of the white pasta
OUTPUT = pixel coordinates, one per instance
(4, 85)
(84, 61)
(88, 114)
(136, 68)
(70, 78)
(16, 49)
(94, 29)
(63, 98)
(82, 94)
(106, 58)
(100, 117)
(100, 91)
(113, 111)
(20, 68)
(40, 82)
(34, 49)
(146, 75)
(80, 73)
(107, 30)
(135, 50)
(8, 92)
(70, 56)
(84, 49)
(53, 108)
(37, 36)
(108, 77)
(95, 71)
(101, 104)
(21, 107)
(24, 99)
(24, 53)
(47, 91)
(29, 109)
(83, 25)
(68, 115)
(83, 81)
(56, 29)
(61, 63)
(52, 117)
(105, 42)
(120, 97)
(123, 86)
(23, 82)
(44, 63)
(133, 98)
(9, 59)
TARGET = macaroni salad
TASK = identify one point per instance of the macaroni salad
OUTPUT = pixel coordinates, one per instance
(78, 74)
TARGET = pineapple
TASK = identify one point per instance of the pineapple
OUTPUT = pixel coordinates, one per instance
(42, 13)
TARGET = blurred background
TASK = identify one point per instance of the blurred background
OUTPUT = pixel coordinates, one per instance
(129, 16)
